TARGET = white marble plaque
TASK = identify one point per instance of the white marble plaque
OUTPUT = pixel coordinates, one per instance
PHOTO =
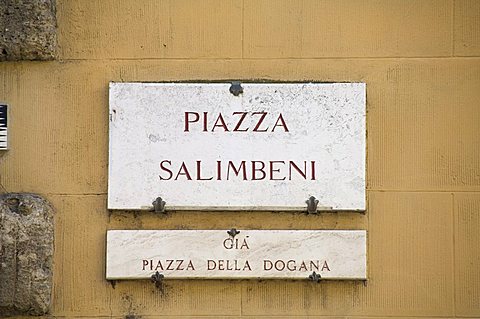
(289, 254)
(197, 146)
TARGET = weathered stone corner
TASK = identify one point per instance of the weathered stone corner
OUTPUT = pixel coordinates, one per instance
(28, 30)
(26, 254)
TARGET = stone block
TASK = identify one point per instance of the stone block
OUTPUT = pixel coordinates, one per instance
(28, 30)
(26, 254)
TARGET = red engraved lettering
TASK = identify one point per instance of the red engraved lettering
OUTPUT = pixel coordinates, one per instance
(255, 170)
(188, 121)
(222, 123)
(282, 123)
(199, 172)
(183, 171)
(162, 166)
(236, 171)
(240, 121)
(205, 129)
(219, 170)
(313, 170)
(275, 170)
(303, 173)
(260, 121)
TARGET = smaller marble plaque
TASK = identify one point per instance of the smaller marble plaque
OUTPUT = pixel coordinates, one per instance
(289, 254)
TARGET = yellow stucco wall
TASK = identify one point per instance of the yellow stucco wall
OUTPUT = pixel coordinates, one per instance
(421, 62)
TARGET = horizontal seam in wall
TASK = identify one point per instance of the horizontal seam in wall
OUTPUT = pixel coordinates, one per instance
(274, 58)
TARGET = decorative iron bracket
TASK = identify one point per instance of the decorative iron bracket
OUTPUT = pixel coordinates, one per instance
(233, 232)
(312, 205)
(236, 88)
(157, 278)
(315, 277)
(159, 205)
(113, 283)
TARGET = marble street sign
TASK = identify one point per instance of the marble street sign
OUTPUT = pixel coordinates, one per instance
(288, 254)
(198, 146)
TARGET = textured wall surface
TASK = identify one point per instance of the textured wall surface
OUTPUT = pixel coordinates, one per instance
(26, 254)
(27, 30)
(421, 63)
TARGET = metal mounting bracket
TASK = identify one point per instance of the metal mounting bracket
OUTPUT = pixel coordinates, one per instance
(312, 205)
(233, 232)
(236, 88)
(315, 277)
(159, 205)
(157, 278)
(113, 283)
